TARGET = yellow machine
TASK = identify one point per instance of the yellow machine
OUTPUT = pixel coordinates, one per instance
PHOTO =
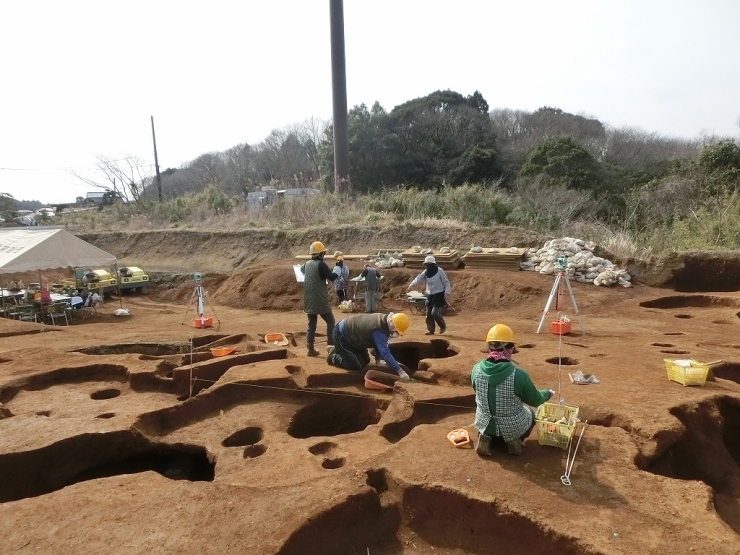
(97, 281)
(131, 277)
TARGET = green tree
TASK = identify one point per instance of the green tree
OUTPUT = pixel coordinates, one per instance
(723, 156)
(562, 161)
(441, 136)
(7, 206)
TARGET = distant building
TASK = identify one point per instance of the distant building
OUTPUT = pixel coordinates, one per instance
(266, 196)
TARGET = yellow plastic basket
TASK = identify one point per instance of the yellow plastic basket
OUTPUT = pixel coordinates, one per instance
(551, 430)
(686, 372)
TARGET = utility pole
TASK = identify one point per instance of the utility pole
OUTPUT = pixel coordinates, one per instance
(156, 164)
(339, 99)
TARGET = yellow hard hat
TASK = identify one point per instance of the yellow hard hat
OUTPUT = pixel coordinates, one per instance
(317, 247)
(400, 321)
(500, 333)
(340, 257)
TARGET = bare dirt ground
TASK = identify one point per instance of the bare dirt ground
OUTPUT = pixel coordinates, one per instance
(125, 435)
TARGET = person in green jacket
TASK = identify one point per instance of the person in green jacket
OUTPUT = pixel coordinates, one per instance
(315, 297)
(502, 393)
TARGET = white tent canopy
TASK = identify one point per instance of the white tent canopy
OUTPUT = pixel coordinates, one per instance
(22, 250)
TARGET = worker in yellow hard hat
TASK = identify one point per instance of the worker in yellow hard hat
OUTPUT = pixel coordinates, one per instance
(353, 336)
(315, 296)
(502, 393)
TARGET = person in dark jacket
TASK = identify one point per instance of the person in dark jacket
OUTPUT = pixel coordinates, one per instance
(340, 285)
(372, 281)
(501, 391)
(437, 292)
(353, 336)
(315, 296)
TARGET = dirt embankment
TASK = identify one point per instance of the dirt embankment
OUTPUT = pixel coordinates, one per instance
(227, 253)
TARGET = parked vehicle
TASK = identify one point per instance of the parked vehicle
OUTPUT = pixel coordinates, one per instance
(132, 278)
(98, 281)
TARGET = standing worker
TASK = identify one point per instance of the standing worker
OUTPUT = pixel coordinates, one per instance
(353, 336)
(501, 391)
(437, 292)
(315, 296)
(372, 280)
(340, 284)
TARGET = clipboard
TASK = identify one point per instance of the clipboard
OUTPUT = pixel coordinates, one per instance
(299, 276)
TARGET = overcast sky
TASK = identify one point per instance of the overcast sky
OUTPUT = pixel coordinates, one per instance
(81, 79)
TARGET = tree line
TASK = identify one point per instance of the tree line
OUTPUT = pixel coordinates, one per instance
(552, 167)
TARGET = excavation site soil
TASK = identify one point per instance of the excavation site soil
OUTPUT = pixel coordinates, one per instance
(126, 435)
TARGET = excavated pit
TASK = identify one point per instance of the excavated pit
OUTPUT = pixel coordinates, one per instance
(429, 412)
(707, 450)
(335, 415)
(97, 455)
(246, 436)
(411, 352)
(390, 519)
(563, 361)
(691, 301)
(727, 371)
(61, 376)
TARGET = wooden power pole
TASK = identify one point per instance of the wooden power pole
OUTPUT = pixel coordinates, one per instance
(156, 164)
(339, 98)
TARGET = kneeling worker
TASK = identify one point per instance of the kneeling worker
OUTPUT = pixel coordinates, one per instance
(501, 391)
(353, 336)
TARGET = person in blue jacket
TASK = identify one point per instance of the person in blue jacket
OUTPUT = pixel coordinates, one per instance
(437, 292)
(353, 336)
(502, 393)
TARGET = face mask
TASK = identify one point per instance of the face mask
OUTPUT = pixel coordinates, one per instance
(393, 335)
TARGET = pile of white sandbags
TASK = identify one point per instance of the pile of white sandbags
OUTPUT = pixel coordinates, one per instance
(389, 260)
(582, 265)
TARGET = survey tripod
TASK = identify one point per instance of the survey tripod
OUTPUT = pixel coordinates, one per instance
(201, 296)
(556, 294)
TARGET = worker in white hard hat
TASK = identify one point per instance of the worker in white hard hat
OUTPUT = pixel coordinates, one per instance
(502, 393)
(315, 296)
(353, 336)
(437, 292)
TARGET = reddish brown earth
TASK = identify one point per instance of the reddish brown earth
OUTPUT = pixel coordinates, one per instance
(104, 450)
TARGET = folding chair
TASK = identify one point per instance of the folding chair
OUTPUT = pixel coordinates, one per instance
(25, 313)
(56, 310)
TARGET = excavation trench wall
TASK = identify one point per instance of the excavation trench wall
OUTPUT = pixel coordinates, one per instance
(183, 251)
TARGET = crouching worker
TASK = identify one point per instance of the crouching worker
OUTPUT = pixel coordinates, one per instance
(353, 336)
(501, 391)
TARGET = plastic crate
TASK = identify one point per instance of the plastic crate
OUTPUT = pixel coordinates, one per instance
(686, 371)
(552, 432)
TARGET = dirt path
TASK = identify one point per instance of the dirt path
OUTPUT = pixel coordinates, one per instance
(103, 449)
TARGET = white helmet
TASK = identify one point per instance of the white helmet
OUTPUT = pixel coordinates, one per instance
(430, 260)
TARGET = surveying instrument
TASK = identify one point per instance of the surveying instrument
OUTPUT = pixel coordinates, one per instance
(556, 294)
(201, 295)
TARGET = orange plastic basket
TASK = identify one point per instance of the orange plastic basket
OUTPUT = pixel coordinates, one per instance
(222, 351)
(276, 339)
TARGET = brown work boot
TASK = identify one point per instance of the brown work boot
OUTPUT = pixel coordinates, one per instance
(483, 445)
(311, 351)
(515, 447)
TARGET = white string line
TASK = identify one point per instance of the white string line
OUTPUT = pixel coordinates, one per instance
(303, 390)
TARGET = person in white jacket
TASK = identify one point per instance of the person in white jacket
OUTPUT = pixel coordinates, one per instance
(437, 292)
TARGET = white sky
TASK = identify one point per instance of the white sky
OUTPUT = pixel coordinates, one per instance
(82, 78)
